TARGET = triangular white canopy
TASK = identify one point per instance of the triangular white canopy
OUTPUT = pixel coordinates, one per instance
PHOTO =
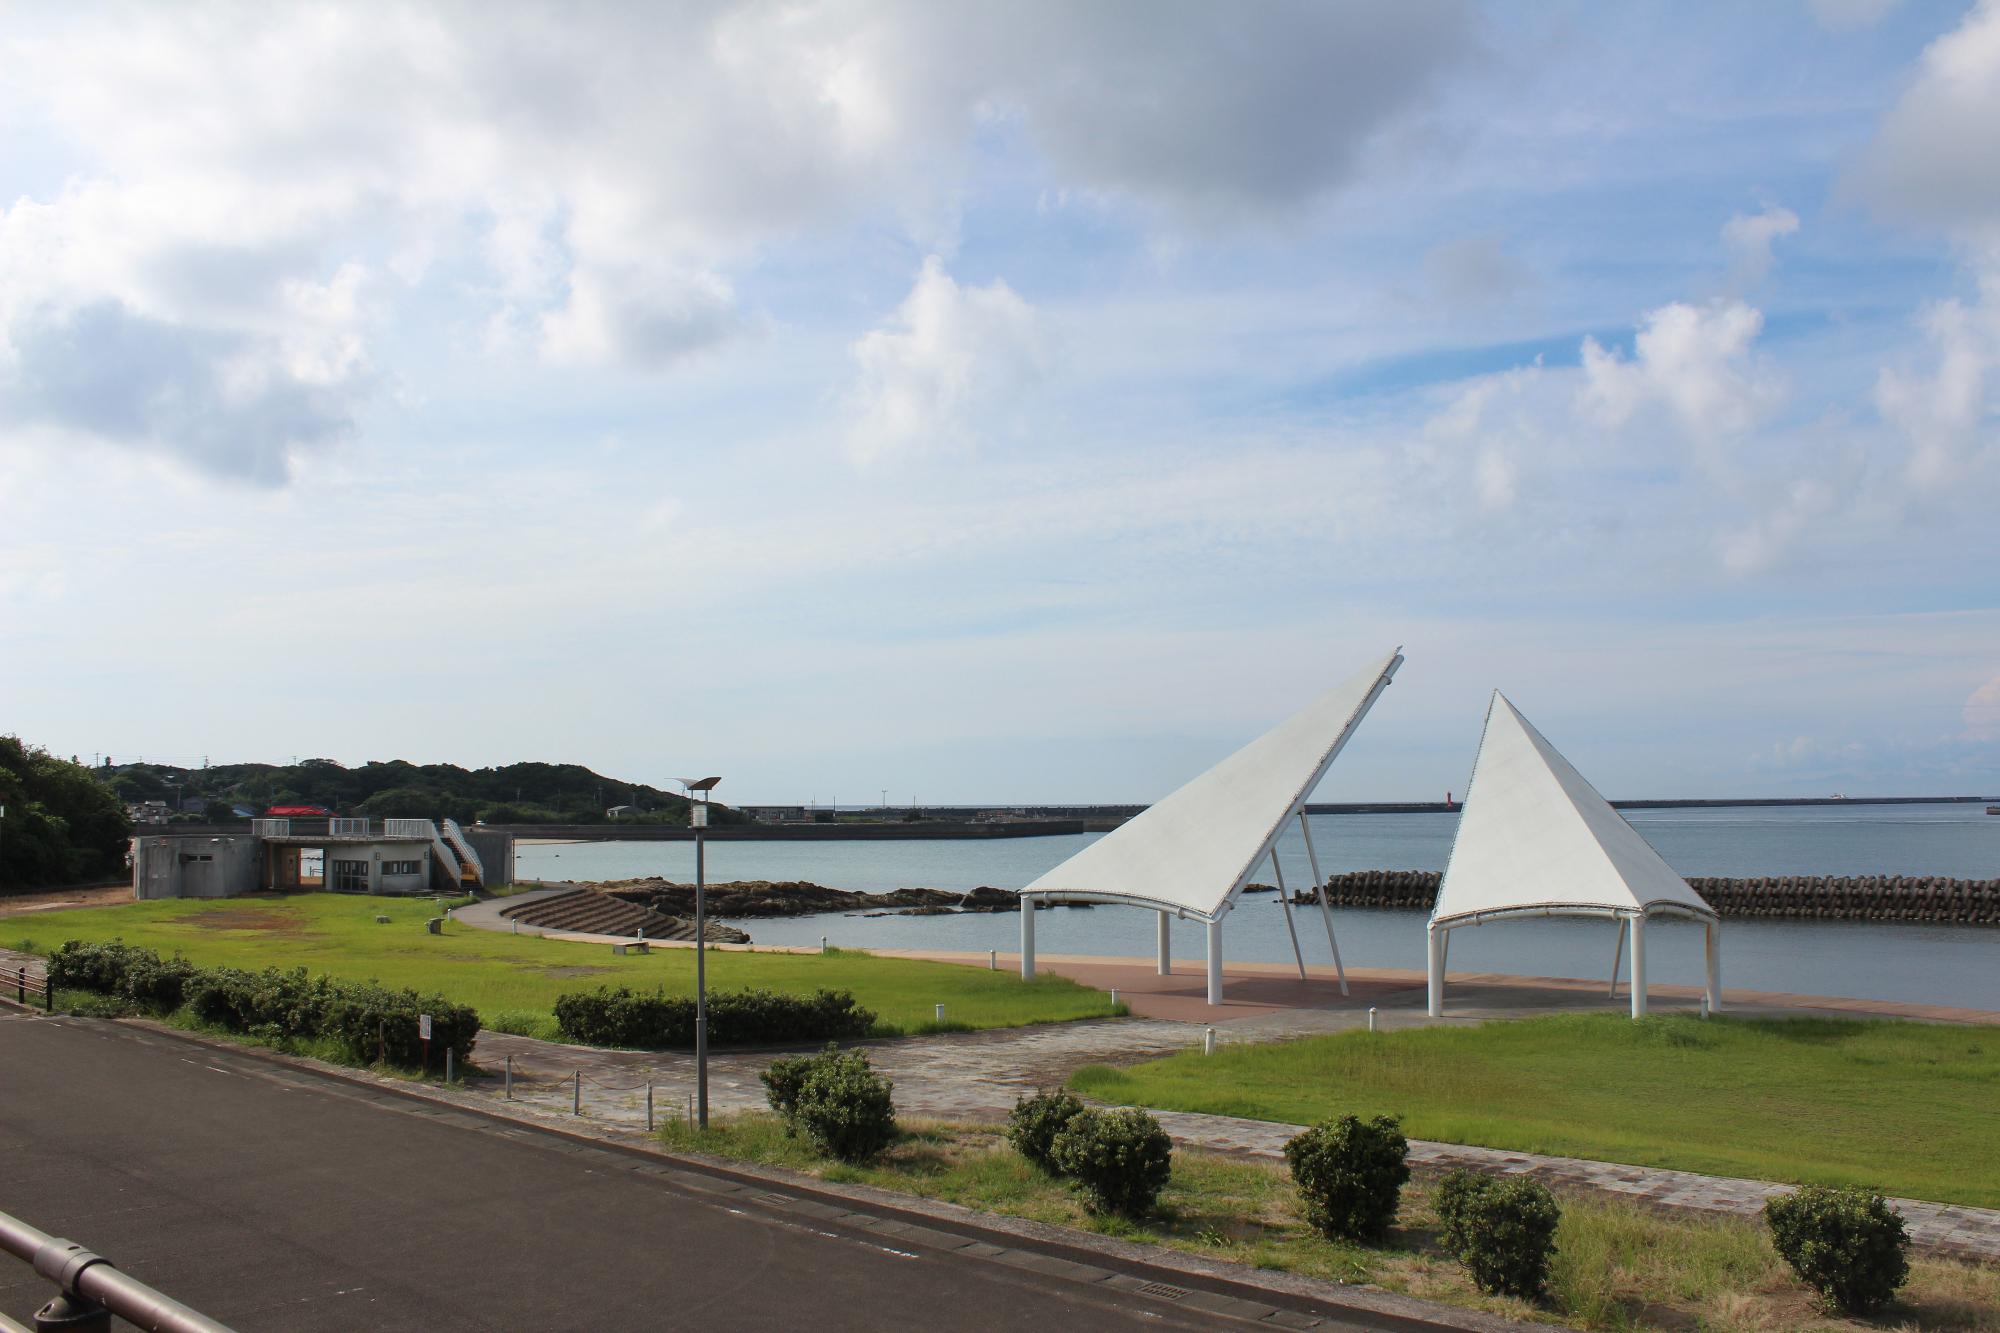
(1192, 852)
(1535, 838)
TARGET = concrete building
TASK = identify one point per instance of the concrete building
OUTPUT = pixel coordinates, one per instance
(776, 814)
(390, 856)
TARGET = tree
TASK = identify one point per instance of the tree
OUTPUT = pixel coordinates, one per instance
(63, 826)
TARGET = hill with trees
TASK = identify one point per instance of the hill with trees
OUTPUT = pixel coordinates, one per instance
(63, 825)
(527, 793)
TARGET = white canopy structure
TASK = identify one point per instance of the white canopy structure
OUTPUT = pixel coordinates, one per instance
(1535, 839)
(1190, 854)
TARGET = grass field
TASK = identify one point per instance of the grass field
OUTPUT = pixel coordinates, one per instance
(1617, 1265)
(513, 980)
(1907, 1108)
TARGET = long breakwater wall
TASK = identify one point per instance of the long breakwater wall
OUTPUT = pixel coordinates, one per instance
(1926, 898)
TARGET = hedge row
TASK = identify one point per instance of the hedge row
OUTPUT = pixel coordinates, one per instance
(367, 1020)
(623, 1017)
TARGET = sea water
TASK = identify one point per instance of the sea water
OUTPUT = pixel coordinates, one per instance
(1955, 965)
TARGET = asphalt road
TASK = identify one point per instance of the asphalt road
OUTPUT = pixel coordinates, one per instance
(270, 1198)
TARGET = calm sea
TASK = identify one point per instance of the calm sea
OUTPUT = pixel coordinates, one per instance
(1931, 964)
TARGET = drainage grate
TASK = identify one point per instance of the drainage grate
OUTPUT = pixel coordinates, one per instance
(1165, 1291)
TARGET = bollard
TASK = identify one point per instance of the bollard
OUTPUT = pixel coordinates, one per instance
(940, 1013)
(510, 1078)
(649, 1107)
(1114, 997)
(1704, 1007)
(447, 1064)
(992, 960)
(1208, 1041)
(21, 984)
(576, 1095)
(517, 927)
(822, 944)
(1371, 1018)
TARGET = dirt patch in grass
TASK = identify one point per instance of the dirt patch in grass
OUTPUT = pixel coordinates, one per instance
(237, 918)
(20, 904)
(584, 970)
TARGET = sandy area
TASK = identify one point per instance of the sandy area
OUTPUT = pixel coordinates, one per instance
(103, 895)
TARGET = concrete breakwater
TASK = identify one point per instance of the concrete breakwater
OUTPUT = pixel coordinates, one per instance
(1922, 898)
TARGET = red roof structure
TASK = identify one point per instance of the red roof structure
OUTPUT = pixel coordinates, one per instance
(298, 812)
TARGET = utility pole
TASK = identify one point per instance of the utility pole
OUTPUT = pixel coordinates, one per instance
(698, 818)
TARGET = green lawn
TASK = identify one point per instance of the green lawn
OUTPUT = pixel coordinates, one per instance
(1907, 1108)
(513, 980)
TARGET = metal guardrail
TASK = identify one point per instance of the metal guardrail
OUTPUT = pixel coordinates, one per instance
(24, 986)
(90, 1290)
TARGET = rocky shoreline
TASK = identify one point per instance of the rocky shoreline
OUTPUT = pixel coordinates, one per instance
(743, 899)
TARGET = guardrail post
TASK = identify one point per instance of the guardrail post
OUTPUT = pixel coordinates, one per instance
(576, 1095)
(510, 1078)
(72, 1313)
(21, 984)
(649, 1107)
(447, 1064)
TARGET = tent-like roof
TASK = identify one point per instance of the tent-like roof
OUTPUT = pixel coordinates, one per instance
(1534, 838)
(1193, 851)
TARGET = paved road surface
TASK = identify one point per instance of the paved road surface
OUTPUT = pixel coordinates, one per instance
(271, 1198)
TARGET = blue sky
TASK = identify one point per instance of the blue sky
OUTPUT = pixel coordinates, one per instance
(1006, 403)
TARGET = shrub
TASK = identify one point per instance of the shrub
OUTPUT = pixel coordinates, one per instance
(1503, 1231)
(1121, 1159)
(1035, 1121)
(844, 1108)
(619, 1016)
(1846, 1244)
(1350, 1173)
(783, 1078)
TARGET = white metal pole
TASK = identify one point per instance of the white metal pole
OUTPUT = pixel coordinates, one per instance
(1285, 899)
(1166, 945)
(1325, 908)
(1617, 958)
(1712, 940)
(701, 971)
(1215, 962)
(1437, 939)
(1027, 937)
(1639, 965)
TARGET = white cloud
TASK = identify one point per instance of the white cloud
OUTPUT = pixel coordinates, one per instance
(1949, 417)
(1749, 237)
(947, 362)
(1932, 162)
(1697, 361)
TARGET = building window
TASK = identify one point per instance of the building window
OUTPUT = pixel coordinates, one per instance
(350, 876)
(402, 867)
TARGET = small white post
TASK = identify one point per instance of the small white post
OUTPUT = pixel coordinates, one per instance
(1166, 945)
(822, 944)
(1639, 965)
(992, 960)
(1712, 945)
(1325, 908)
(1208, 1041)
(1215, 962)
(447, 1064)
(1285, 899)
(1437, 942)
(1617, 956)
(1704, 1006)
(1371, 1018)
(1027, 937)
(940, 1013)
(1114, 997)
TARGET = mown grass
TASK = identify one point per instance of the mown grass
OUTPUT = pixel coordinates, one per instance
(1617, 1266)
(1906, 1108)
(516, 978)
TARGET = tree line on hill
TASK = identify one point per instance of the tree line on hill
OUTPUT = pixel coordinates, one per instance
(526, 793)
(62, 824)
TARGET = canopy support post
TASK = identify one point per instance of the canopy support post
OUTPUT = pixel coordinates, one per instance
(1027, 937)
(1437, 943)
(1712, 945)
(1617, 957)
(1325, 909)
(1639, 965)
(1285, 900)
(1166, 945)
(1215, 961)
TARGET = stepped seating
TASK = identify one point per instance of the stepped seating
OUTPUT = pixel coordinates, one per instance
(587, 911)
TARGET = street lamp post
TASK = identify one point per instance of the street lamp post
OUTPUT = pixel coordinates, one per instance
(698, 818)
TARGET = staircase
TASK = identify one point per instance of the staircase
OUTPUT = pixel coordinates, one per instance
(471, 871)
(589, 912)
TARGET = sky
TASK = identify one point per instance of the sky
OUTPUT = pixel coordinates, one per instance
(1005, 403)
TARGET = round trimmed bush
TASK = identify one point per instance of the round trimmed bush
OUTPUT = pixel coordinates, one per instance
(1120, 1159)
(1350, 1173)
(1503, 1231)
(844, 1108)
(1035, 1121)
(782, 1080)
(1846, 1244)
